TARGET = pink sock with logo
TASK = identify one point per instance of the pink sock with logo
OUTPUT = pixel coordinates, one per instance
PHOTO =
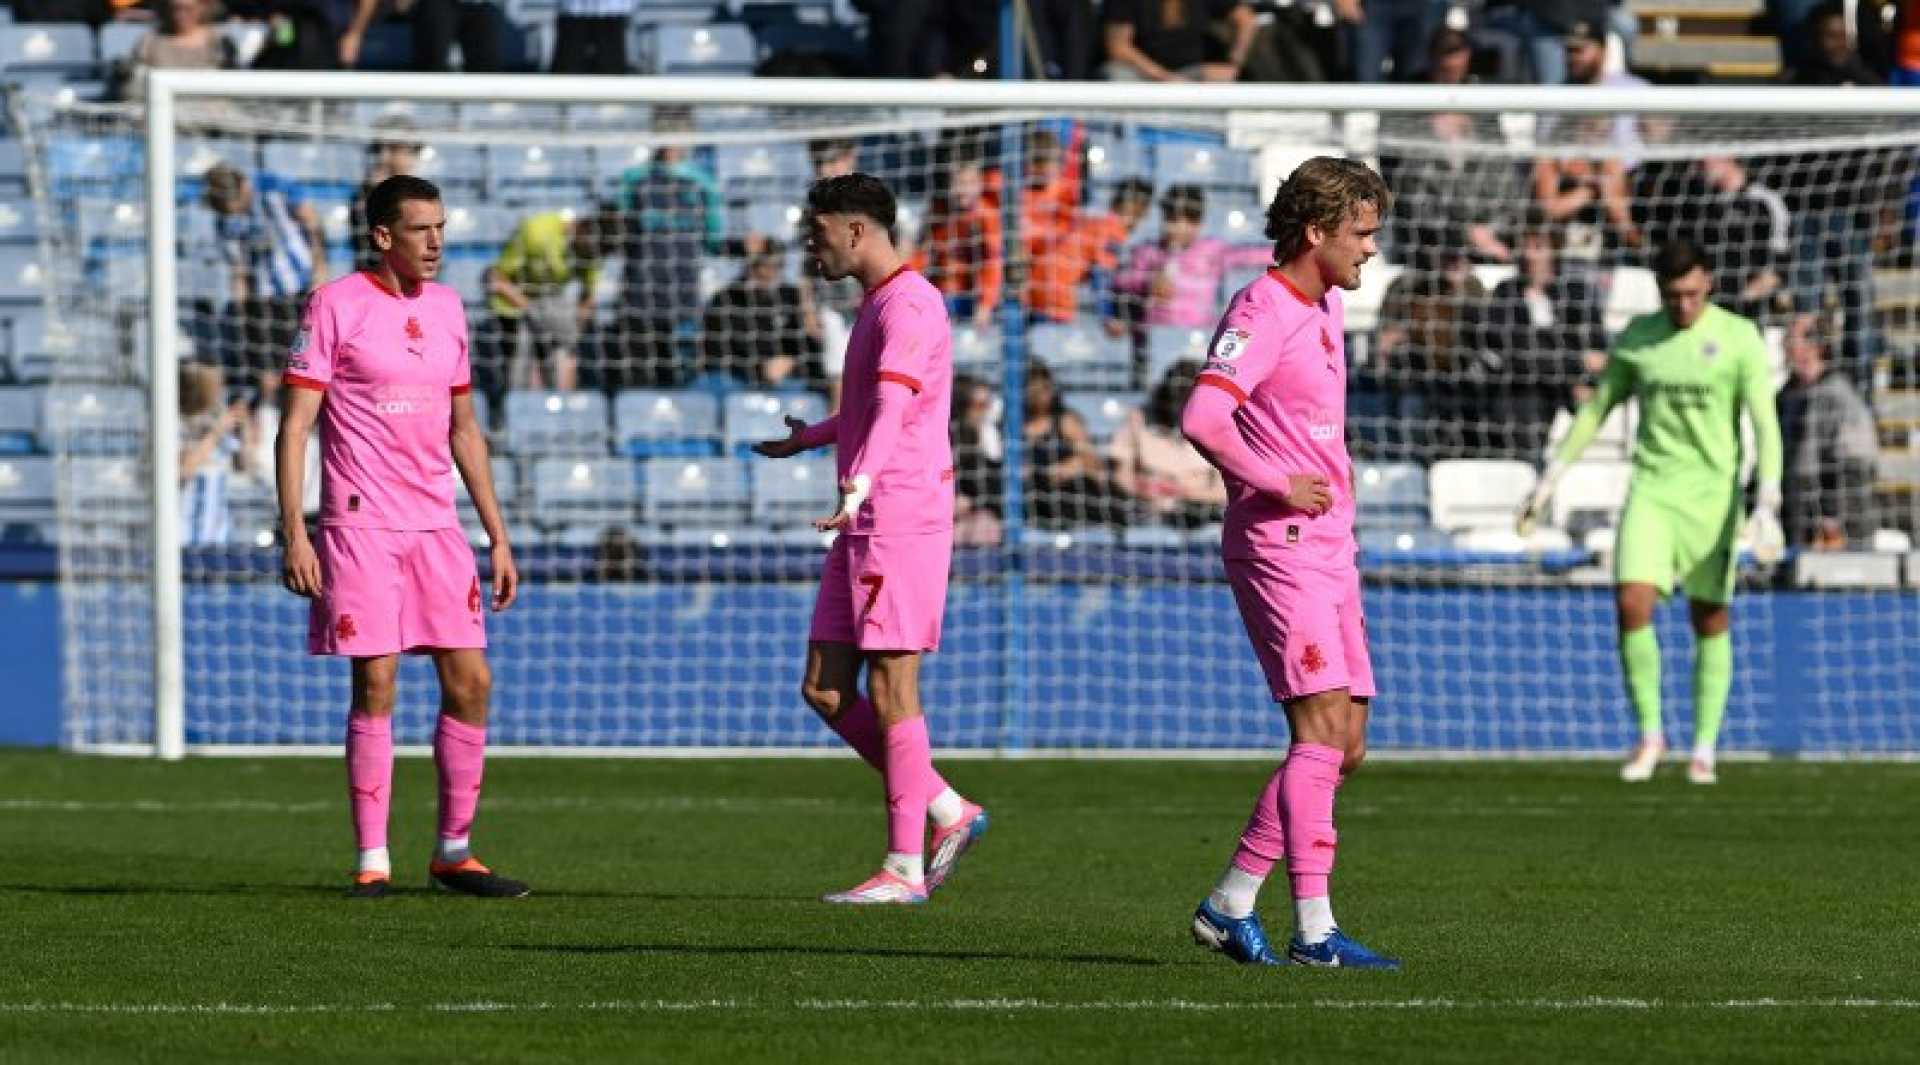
(459, 755)
(909, 767)
(1263, 841)
(1307, 783)
(369, 777)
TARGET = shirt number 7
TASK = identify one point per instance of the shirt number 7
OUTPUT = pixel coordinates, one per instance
(873, 581)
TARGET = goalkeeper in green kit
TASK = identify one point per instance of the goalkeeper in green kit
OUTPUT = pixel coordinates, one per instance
(1693, 366)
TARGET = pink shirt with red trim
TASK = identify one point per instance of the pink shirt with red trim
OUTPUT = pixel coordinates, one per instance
(901, 335)
(390, 365)
(1283, 357)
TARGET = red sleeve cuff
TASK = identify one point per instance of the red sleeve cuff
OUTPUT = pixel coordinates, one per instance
(901, 379)
(1222, 383)
(461, 390)
(294, 380)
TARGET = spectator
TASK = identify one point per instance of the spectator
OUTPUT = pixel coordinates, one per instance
(833, 157)
(1064, 32)
(761, 331)
(672, 214)
(1588, 198)
(1539, 335)
(962, 253)
(1718, 206)
(1422, 355)
(590, 37)
(1544, 31)
(1104, 239)
(209, 443)
(977, 453)
(1396, 31)
(1829, 57)
(930, 38)
(1176, 280)
(1906, 47)
(392, 151)
(1449, 58)
(301, 34)
(1050, 222)
(1172, 40)
(1450, 178)
(185, 39)
(269, 239)
(1831, 443)
(1155, 465)
(477, 26)
(527, 291)
(1066, 483)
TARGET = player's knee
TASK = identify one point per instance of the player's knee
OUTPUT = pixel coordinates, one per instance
(375, 693)
(469, 689)
(824, 701)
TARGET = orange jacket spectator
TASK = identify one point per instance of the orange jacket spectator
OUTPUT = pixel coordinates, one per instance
(961, 251)
(1050, 219)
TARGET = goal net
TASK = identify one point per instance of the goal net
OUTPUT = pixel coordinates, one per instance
(1087, 250)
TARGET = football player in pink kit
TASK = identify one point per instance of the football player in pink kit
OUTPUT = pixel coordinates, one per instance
(380, 363)
(885, 583)
(1269, 409)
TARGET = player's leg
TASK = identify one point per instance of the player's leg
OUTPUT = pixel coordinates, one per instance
(370, 770)
(1643, 572)
(1712, 680)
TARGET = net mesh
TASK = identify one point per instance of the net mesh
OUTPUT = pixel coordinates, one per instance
(671, 575)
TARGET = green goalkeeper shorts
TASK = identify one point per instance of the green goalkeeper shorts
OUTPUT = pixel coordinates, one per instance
(1661, 542)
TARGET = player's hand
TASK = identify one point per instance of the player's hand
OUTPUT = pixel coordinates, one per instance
(780, 449)
(1533, 509)
(853, 492)
(300, 567)
(506, 578)
(1769, 540)
(349, 50)
(1310, 492)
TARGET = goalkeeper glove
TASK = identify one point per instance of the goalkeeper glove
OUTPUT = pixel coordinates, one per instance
(1769, 540)
(1535, 507)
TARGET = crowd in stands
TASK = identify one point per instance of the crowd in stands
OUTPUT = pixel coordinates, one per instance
(1500, 278)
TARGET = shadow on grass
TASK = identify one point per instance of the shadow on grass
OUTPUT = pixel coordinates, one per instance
(253, 890)
(766, 950)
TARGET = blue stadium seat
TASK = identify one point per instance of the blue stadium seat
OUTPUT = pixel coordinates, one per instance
(459, 169)
(576, 491)
(750, 417)
(20, 419)
(83, 165)
(609, 117)
(1235, 221)
(1391, 495)
(792, 491)
(612, 160)
(118, 39)
(977, 351)
(22, 280)
(745, 170)
(1081, 354)
(32, 342)
(26, 489)
(194, 156)
(1104, 413)
(1209, 165)
(1157, 536)
(506, 488)
(774, 218)
(554, 423)
(46, 47)
(719, 537)
(484, 225)
(533, 173)
(511, 116)
(19, 223)
(95, 420)
(1389, 541)
(13, 170)
(714, 50)
(464, 270)
(1110, 161)
(328, 169)
(109, 489)
(693, 491)
(424, 114)
(1168, 344)
(649, 423)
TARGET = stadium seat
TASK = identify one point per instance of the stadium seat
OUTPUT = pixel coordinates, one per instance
(1081, 354)
(511, 116)
(1845, 569)
(506, 488)
(1168, 344)
(1633, 292)
(539, 174)
(32, 342)
(976, 351)
(1389, 541)
(1590, 494)
(63, 48)
(327, 169)
(485, 226)
(21, 278)
(1470, 493)
(1362, 305)
(1236, 222)
(749, 171)
(750, 417)
(1502, 539)
(773, 218)
(792, 491)
(13, 170)
(719, 537)
(95, 420)
(459, 169)
(650, 423)
(19, 223)
(609, 117)
(715, 50)
(1104, 413)
(110, 490)
(612, 160)
(1110, 161)
(555, 423)
(1391, 495)
(1064, 539)
(26, 489)
(1156, 536)
(575, 491)
(1211, 165)
(118, 39)
(194, 156)
(423, 114)
(20, 420)
(464, 270)
(683, 492)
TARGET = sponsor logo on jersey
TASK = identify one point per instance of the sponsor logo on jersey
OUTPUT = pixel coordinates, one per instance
(300, 341)
(1231, 345)
(403, 400)
(1217, 367)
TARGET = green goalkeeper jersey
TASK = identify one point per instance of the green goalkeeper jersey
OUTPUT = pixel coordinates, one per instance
(1691, 384)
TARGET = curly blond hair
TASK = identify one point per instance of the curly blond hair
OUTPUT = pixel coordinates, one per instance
(1323, 192)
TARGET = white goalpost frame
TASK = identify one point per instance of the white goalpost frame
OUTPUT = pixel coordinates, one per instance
(167, 88)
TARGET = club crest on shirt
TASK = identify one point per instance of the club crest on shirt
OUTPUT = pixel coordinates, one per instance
(1231, 345)
(413, 330)
(1709, 351)
(1312, 659)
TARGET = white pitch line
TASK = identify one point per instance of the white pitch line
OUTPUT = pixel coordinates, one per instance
(984, 1005)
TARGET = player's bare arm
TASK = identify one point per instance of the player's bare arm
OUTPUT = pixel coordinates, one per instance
(299, 566)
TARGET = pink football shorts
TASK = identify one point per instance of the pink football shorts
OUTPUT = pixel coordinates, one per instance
(385, 591)
(884, 591)
(1306, 625)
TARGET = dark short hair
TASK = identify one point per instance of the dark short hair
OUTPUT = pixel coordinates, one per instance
(861, 194)
(383, 203)
(1187, 202)
(1677, 258)
(1133, 188)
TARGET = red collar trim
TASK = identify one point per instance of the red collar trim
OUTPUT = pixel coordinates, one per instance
(1287, 283)
(382, 286)
(889, 279)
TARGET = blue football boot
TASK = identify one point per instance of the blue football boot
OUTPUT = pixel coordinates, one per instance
(1338, 952)
(1239, 938)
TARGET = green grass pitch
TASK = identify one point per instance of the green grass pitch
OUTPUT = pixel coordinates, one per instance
(1546, 912)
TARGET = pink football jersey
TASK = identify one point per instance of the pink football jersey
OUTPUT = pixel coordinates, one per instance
(901, 335)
